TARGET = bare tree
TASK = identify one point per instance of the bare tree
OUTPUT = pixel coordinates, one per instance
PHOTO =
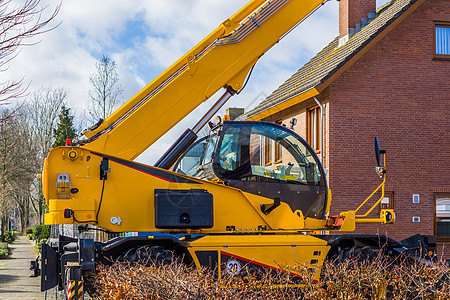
(105, 93)
(26, 155)
(7, 147)
(18, 24)
(17, 167)
(42, 111)
(21, 198)
(6, 205)
(20, 21)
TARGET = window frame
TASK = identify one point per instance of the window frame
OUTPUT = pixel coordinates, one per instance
(315, 110)
(267, 151)
(441, 238)
(277, 148)
(435, 55)
(293, 144)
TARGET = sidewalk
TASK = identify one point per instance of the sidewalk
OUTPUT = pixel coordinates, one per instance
(15, 282)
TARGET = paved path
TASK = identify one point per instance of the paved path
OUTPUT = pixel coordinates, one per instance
(15, 282)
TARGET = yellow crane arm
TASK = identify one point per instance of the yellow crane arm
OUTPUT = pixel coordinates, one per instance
(222, 59)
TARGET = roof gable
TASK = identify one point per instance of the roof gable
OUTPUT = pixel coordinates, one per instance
(330, 61)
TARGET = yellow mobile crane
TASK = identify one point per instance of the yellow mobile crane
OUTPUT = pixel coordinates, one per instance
(223, 207)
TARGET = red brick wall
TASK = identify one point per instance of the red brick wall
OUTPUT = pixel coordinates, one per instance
(351, 12)
(400, 94)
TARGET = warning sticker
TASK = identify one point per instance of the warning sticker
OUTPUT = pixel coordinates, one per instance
(233, 267)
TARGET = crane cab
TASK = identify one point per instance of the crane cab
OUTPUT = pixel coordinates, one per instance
(261, 158)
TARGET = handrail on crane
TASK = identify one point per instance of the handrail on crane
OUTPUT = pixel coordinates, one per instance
(382, 172)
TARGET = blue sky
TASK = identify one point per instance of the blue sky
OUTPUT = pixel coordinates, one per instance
(144, 38)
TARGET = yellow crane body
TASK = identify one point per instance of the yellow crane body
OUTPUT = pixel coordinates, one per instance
(212, 201)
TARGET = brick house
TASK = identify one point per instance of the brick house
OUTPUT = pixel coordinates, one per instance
(387, 75)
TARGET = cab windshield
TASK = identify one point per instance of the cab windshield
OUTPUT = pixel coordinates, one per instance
(265, 152)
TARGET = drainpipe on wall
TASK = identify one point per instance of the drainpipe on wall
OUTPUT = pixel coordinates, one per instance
(322, 139)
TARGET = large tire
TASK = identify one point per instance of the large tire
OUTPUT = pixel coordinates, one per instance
(356, 254)
(352, 256)
(149, 254)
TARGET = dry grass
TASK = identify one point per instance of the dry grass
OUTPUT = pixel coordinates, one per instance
(379, 279)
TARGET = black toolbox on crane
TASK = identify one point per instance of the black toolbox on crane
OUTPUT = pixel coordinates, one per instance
(183, 209)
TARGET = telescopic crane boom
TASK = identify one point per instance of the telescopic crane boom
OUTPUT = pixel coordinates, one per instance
(222, 60)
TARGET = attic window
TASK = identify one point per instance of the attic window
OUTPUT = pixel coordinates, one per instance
(442, 37)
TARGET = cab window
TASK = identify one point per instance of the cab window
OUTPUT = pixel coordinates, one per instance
(242, 155)
(199, 155)
(189, 164)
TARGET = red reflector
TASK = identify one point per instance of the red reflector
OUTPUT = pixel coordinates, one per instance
(68, 142)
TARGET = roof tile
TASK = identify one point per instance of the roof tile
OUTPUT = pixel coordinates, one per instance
(331, 58)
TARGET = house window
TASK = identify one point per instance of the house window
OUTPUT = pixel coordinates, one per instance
(314, 128)
(442, 36)
(267, 151)
(278, 147)
(278, 157)
(442, 215)
(388, 201)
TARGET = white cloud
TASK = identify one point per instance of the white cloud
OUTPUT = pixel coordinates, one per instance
(272, 70)
(144, 38)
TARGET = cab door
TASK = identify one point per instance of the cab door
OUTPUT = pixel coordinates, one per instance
(270, 160)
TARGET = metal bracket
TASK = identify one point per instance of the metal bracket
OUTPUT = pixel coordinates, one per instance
(104, 169)
(267, 208)
(192, 66)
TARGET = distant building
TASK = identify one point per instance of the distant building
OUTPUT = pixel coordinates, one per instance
(388, 75)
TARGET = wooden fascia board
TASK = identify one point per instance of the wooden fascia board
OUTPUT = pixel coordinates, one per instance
(322, 86)
(284, 105)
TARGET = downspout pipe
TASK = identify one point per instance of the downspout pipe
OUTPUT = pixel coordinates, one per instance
(322, 139)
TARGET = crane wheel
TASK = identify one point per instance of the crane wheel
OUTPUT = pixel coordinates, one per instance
(353, 257)
(357, 254)
(149, 255)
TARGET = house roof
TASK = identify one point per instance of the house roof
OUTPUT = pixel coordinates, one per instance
(316, 73)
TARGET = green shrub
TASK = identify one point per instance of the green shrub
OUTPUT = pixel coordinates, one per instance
(41, 232)
(36, 229)
(39, 244)
(9, 237)
(4, 250)
(29, 231)
(3, 253)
